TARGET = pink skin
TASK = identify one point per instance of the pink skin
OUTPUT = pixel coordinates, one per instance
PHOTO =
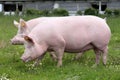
(70, 34)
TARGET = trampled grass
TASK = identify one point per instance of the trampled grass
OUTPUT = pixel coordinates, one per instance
(12, 68)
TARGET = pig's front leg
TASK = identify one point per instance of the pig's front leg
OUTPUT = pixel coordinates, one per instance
(98, 54)
(60, 53)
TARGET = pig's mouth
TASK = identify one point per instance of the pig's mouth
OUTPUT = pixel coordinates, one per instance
(17, 43)
(27, 59)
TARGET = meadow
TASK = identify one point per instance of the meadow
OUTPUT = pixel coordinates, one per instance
(12, 68)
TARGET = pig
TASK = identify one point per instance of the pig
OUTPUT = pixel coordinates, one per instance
(73, 34)
(24, 29)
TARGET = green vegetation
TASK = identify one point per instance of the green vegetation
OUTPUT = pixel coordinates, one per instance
(79, 12)
(91, 11)
(12, 68)
(108, 12)
(35, 12)
(114, 12)
(59, 12)
(54, 12)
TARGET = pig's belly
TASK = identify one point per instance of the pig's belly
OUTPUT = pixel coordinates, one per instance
(77, 49)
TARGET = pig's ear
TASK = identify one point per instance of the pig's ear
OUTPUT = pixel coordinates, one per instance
(23, 23)
(16, 23)
(28, 39)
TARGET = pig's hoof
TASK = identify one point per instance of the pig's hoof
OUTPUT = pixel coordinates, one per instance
(54, 59)
(58, 66)
(104, 64)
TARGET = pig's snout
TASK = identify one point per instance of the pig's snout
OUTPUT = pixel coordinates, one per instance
(12, 42)
(16, 42)
(24, 59)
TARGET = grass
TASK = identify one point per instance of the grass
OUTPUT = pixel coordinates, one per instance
(12, 68)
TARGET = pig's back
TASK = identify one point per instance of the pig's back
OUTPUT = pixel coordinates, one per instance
(76, 31)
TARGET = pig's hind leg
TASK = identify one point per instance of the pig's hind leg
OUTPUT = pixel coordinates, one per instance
(105, 52)
(98, 55)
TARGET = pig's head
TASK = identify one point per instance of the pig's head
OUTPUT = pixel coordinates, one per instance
(32, 50)
(22, 31)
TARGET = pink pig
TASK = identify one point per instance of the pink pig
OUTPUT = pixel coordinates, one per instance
(68, 34)
(24, 29)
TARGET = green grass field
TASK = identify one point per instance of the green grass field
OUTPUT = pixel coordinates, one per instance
(12, 68)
